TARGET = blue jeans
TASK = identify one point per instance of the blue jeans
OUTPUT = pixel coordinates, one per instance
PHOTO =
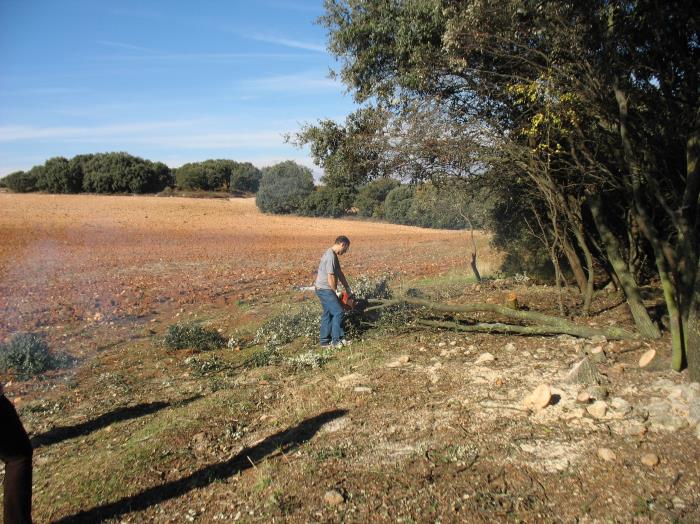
(332, 318)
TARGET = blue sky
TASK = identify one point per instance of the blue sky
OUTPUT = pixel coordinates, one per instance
(175, 81)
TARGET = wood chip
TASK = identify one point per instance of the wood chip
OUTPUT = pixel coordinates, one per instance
(646, 358)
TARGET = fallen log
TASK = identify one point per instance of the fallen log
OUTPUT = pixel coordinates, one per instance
(544, 324)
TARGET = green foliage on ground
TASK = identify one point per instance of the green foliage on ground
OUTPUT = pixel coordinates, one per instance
(303, 323)
(193, 336)
(27, 355)
(284, 187)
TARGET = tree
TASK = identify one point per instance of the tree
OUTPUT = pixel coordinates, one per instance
(124, 173)
(370, 198)
(284, 187)
(576, 101)
(21, 181)
(245, 177)
(60, 176)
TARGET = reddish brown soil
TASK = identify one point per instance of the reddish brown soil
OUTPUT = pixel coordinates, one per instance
(76, 259)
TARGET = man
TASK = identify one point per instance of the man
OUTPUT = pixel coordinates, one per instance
(329, 273)
(16, 453)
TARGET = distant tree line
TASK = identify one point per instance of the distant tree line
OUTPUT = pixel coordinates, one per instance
(125, 173)
(288, 188)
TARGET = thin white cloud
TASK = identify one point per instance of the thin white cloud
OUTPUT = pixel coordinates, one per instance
(130, 47)
(205, 57)
(45, 91)
(18, 133)
(288, 42)
(294, 83)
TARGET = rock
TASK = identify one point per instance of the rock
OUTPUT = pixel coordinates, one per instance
(484, 358)
(509, 347)
(349, 380)
(650, 460)
(694, 414)
(606, 454)
(539, 398)
(697, 431)
(442, 344)
(646, 358)
(583, 372)
(598, 409)
(333, 497)
(629, 428)
(362, 389)
(404, 359)
(667, 422)
(620, 405)
(599, 339)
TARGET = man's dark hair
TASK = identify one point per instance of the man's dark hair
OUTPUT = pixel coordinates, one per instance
(342, 239)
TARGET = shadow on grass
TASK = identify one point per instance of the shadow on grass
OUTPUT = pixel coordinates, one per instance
(284, 441)
(62, 433)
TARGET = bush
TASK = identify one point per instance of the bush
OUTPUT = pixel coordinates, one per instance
(193, 336)
(21, 181)
(433, 208)
(398, 204)
(327, 202)
(284, 187)
(370, 199)
(124, 173)
(60, 176)
(27, 355)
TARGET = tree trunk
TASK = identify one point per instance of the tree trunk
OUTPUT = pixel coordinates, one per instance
(612, 247)
(574, 263)
(555, 324)
(692, 332)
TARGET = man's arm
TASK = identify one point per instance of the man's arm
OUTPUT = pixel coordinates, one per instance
(332, 281)
(344, 281)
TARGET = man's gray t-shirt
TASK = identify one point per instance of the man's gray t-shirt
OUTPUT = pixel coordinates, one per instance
(329, 264)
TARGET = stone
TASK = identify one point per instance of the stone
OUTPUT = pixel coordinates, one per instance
(646, 358)
(667, 422)
(484, 358)
(509, 347)
(598, 409)
(333, 497)
(607, 454)
(599, 339)
(362, 389)
(629, 428)
(620, 405)
(539, 398)
(348, 380)
(697, 431)
(404, 359)
(650, 460)
(694, 414)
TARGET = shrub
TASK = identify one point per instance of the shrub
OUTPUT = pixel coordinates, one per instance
(327, 202)
(27, 355)
(398, 204)
(193, 336)
(284, 187)
(370, 199)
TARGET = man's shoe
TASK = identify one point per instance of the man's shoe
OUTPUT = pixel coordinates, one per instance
(327, 345)
(341, 343)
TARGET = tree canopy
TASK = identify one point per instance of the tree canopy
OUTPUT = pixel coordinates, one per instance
(586, 113)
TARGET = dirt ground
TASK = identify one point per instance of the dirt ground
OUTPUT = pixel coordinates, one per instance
(404, 426)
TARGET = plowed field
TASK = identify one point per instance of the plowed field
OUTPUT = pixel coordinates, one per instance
(118, 260)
